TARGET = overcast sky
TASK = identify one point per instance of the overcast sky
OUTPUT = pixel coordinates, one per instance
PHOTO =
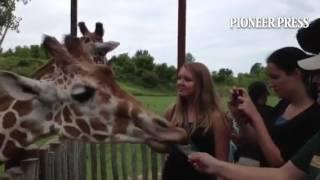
(152, 25)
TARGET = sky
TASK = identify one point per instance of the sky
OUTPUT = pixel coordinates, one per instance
(152, 25)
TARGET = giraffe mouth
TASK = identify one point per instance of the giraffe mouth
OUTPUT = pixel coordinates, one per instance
(162, 145)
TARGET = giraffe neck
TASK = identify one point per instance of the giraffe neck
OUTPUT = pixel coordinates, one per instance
(19, 127)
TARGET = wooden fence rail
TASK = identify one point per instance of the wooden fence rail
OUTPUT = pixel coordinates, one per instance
(79, 161)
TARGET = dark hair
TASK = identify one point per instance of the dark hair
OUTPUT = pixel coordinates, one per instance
(309, 38)
(257, 90)
(286, 58)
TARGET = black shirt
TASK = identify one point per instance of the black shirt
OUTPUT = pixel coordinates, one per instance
(291, 135)
(177, 167)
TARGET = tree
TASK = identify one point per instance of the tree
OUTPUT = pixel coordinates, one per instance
(35, 51)
(7, 18)
(258, 71)
(190, 58)
(257, 68)
(143, 61)
(224, 75)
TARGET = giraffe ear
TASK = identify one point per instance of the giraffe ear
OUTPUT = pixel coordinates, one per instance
(106, 46)
(20, 87)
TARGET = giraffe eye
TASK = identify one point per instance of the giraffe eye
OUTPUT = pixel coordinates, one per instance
(82, 93)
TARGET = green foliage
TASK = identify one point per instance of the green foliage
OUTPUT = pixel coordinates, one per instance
(20, 65)
(141, 69)
(143, 61)
(7, 18)
(149, 79)
(224, 76)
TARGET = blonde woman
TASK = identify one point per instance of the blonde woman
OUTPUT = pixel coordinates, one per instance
(198, 110)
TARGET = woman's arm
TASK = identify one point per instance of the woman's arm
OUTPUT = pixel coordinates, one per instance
(208, 164)
(268, 147)
(221, 140)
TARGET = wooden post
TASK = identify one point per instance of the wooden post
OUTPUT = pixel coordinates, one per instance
(44, 164)
(103, 162)
(54, 147)
(181, 33)
(145, 164)
(94, 167)
(124, 161)
(154, 165)
(73, 19)
(134, 162)
(114, 161)
(30, 168)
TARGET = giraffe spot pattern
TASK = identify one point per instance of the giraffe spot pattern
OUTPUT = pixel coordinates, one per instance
(9, 120)
(104, 97)
(5, 102)
(100, 137)
(97, 125)
(2, 139)
(21, 137)
(67, 115)
(85, 138)
(10, 149)
(135, 114)
(123, 109)
(105, 115)
(74, 132)
(57, 118)
(32, 125)
(49, 116)
(120, 126)
(82, 124)
(75, 110)
(23, 107)
(60, 81)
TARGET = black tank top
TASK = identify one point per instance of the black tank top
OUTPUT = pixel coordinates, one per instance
(177, 167)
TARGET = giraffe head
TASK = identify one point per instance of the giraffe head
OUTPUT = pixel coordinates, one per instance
(82, 101)
(94, 41)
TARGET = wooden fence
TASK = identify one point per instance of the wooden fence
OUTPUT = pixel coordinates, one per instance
(80, 161)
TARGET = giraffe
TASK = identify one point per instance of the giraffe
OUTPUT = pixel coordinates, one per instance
(95, 44)
(81, 101)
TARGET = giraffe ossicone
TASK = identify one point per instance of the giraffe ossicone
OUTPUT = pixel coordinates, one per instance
(81, 101)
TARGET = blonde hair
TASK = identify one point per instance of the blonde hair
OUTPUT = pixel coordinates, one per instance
(207, 105)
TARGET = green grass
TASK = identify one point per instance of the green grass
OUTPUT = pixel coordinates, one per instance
(22, 66)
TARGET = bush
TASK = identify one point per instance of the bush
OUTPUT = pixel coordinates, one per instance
(149, 79)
